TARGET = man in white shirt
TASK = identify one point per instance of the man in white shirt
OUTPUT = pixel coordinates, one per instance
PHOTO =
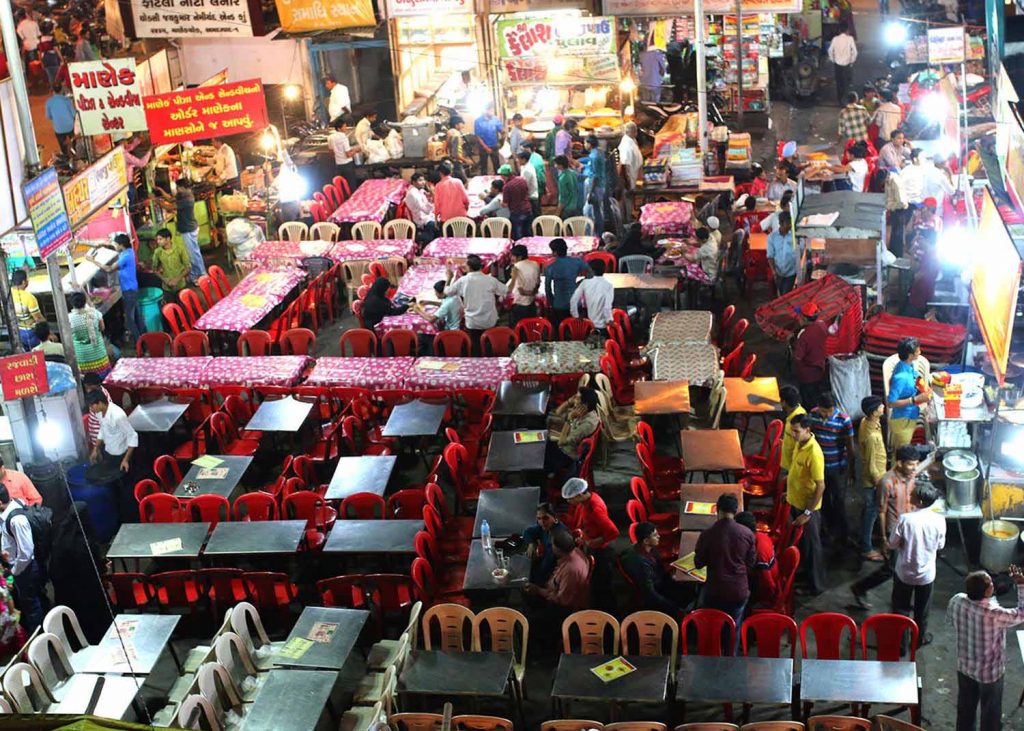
(117, 439)
(888, 116)
(19, 555)
(421, 209)
(936, 180)
(912, 179)
(632, 162)
(530, 176)
(597, 293)
(225, 164)
(842, 52)
(364, 128)
(338, 101)
(343, 150)
(523, 285)
(918, 536)
(29, 33)
(478, 292)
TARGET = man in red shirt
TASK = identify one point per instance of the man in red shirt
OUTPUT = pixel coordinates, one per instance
(810, 362)
(588, 519)
(516, 195)
(450, 198)
(19, 486)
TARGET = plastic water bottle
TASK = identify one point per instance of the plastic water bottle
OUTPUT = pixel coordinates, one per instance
(485, 535)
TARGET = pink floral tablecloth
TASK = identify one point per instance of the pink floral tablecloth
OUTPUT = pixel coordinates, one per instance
(470, 373)
(263, 370)
(408, 321)
(251, 300)
(489, 250)
(373, 249)
(360, 372)
(578, 245)
(421, 278)
(289, 253)
(476, 189)
(158, 372)
(666, 218)
(371, 200)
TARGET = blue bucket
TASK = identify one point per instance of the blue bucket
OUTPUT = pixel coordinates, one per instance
(101, 499)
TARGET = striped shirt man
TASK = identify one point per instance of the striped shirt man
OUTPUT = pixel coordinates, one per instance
(833, 432)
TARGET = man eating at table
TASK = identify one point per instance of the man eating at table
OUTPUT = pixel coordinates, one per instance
(478, 292)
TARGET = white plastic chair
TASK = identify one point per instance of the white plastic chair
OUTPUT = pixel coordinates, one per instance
(63, 622)
(399, 228)
(578, 226)
(375, 686)
(365, 230)
(197, 713)
(215, 685)
(636, 264)
(547, 226)
(47, 655)
(459, 227)
(364, 718)
(496, 228)
(18, 680)
(246, 623)
(230, 651)
(324, 231)
(385, 652)
(5, 706)
(293, 231)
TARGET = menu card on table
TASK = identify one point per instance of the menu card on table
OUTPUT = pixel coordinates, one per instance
(614, 669)
(687, 565)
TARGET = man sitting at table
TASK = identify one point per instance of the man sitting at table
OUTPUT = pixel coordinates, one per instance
(563, 447)
(446, 317)
(421, 209)
(495, 207)
(478, 292)
(450, 198)
(597, 295)
(567, 590)
(523, 284)
(560, 280)
(658, 590)
(539, 537)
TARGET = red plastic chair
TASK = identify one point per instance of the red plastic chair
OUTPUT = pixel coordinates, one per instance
(129, 590)
(399, 342)
(610, 262)
(725, 321)
(209, 509)
(161, 508)
(747, 368)
(426, 585)
(622, 389)
(454, 527)
(298, 341)
(347, 592)
(889, 631)
(191, 344)
(575, 328)
(224, 435)
(241, 411)
(642, 494)
(357, 310)
(663, 486)
(621, 318)
(406, 504)
(209, 291)
(468, 485)
(768, 629)
(167, 472)
(255, 506)
(452, 344)
(735, 335)
(331, 194)
(533, 329)
(176, 590)
(193, 306)
(220, 280)
(223, 587)
(153, 345)
(731, 362)
(393, 593)
(789, 562)
(827, 628)
(176, 318)
(449, 574)
(312, 508)
(498, 342)
(342, 188)
(269, 589)
(143, 488)
(760, 461)
(362, 506)
(362, 342)
(662, 464)
(255, 342)
(709, 625)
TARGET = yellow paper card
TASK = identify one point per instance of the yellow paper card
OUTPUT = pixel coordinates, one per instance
(694, 507)
(295, 648)
(685, 563)
(252, 300)
(614, 669)
(431, 365)
(529, 437)
(207, 460)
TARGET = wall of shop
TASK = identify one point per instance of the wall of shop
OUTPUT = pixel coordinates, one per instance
(273, 61)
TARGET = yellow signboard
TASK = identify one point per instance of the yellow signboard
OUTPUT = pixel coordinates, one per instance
(96, 185)
(298, 16)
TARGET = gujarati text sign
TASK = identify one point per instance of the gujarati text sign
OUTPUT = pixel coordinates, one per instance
(298, 16)
(23, 375)
(96, 185)
(207, 111)
(46, 209)
(685, 7)
(946, 45)
(107, 96)
(191, 18)
(536, 50)
(408, 8)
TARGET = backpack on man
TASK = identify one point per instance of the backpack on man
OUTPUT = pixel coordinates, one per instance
(40, 520)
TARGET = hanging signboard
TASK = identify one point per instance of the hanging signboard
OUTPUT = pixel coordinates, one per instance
(96, 185)
(48, 213)
(558, 50)
(107, 96)
(208, 111)
(671, 8)
(410, 8)
(24, 375)
(298, 16)
(946, 45)
(191, 18)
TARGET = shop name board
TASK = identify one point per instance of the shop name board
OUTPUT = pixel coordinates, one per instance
(23, 375)
(683, 7)
(191, 18)
(108, 96)
(208, 111)
(48, 213)
(298, 16)
(96, 185)
(409, 8)
(946, 45)
(526, 37)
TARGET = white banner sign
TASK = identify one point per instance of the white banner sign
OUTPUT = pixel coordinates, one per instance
(191, 18)
(681, 7)
(107, 96)
(946, 45)
(407, 8)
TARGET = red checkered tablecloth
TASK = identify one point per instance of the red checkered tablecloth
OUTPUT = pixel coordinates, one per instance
(408, 321)
(666, 218)
(471, 373)
(373, 249)
(421, 278)
(251, 300)
(289, 253)
(578, 245)
(371, 200)
(263, 370)
(360, 372)
(158, 372)
(489, 250)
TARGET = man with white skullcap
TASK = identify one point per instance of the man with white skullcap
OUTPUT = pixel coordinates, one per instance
(588, 519)
(714, 228)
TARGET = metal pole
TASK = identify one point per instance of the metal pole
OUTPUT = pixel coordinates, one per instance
(739, 62)
(702, 81)
(966, 142)
(17, 72)
(60, 305)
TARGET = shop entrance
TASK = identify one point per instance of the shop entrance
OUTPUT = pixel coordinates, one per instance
(363, 66)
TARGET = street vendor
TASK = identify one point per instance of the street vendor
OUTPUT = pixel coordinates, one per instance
(343, 150)
(225, 165)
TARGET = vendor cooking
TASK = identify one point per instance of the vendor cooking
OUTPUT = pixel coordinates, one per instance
(225, 165)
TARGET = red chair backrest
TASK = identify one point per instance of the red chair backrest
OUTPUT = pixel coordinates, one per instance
(709, 625)
(363, 343)
(176, 588)
(725, 321)
(406, 504)
(129, 589)
(220, 279)
(498, 342)
(268, 589)
(532, 329)
(166, 469)
(153, 345)
(209, 509)
(357, 310)
(642, 493)
(789, 562)
(646, 434)
(210, 294)
(827, 628)
(144, 488)
(889, 631)
(347, 592)
(399, 342)
(736, 333)
(254, 342)
(316, 210)
(344, 192)
(452, 344)
(731, 362)
(610, 262)
(392, 592)
(476, 403)
(636, 511)
(255, 506)
(304, 505)
(176, 318)
(193, 305)
(191, 344)
(161, 508)
(575, 328)
(362, 506)
(621, 318)
(768, 629)
(331, 194)
(423, 578)
(298, 341)
(747, 369)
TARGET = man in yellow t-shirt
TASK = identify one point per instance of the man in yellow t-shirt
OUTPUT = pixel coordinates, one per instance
(791, 408)
(805, 488)
(26, 309)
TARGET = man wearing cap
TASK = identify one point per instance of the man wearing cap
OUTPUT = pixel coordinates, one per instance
(810, 359)
(727, 549)
(714, 230)
(588, 519)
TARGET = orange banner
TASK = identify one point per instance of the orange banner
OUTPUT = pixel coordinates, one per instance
(306, 15)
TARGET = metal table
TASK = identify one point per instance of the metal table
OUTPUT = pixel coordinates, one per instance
(373, 536)
(481, 563)
(646, 684)
(429, 672)
(662, 397)
(289, 699)
(150, 540)
(156, 416)
(341, 637)
(214, 483)
(368, 473)
(711, 450)
(752, 395)
(504, 455)
(735, 679)
(115, 697)
(281, 415)
(250, 538)
(144, 635)
(515, 399)
(859, 681)
(703, 493)
(414, 419)
(507, 511)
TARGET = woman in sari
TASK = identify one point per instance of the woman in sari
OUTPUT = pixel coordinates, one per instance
(87, 336)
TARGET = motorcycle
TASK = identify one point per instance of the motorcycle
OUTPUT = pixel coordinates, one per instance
(803, 77)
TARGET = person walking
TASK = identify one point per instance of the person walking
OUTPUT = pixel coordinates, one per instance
(917, 538)
(529, 174)
(87, 336)
(791, 409)
(854, 120)
(782, 256)
(596, 294)
(60, 110)
(871, 450)
(26, 309)
(19, 555)
(805, 488)
(833, 428)
(560, 280)
(810, 358)
(588, 517)
(842, 52)
(980, 625)
(111, 456)
(569, 204)
(488, 131)
(343, 150)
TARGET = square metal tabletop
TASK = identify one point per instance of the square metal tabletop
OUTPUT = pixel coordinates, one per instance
(510, 510)
(335, 631)
(647, 684)
(504, 455)
(210, 481)
(481, 563)
(152, 540)
(373, 536)
(281, 415)
(366, 473)
(142, 640)
(752, 395)
(414, 419)
(156, 416)
(662, 397)
(735, 679)
(859, 681)
(115, 697)
(431, 672)
(711, 450)
(515, 399)
(703, 493)
(289, 699)
(257, 537)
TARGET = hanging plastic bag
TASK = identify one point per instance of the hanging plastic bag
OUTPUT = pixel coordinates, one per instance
(851, 381)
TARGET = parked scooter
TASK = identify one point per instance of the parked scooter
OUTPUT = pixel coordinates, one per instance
(804, 79)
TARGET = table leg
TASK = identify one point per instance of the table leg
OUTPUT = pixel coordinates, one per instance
(174, 656)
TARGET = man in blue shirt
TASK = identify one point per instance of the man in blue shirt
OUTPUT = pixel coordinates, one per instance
(129, 279)
(560, 280)
(904, 395)
(782, 254)
(487, 129)
(60, 110)
(834, 431)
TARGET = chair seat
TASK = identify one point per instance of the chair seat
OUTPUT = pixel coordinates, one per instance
(323, 450)
(369, 689)
(755, 488)
(476, 485)
(180, 688)
(357, 718)
(195, 658)
(191, 595)
(237, 594)
(242, 448)
(382, 655)
(166, 715)
(263, 657)
(315, 540)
